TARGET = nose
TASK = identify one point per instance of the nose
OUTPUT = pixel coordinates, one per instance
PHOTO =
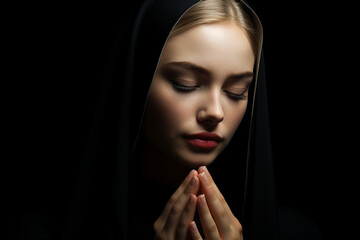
(211, 112)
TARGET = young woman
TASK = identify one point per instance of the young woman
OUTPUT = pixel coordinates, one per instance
(203, 78)
(183, 154)
(180, 147)
(198, 97)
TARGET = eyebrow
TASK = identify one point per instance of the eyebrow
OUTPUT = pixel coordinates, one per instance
(201, 70)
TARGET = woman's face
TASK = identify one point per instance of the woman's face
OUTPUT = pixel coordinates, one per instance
(199, 93)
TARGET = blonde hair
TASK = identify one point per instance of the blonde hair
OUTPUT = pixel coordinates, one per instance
(212, 11)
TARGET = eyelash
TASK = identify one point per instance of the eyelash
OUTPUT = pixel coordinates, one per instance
(183, 88)
(236, 96)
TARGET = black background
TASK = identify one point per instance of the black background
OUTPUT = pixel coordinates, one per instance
(55, 56)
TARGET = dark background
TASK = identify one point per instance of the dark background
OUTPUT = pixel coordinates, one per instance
(55, 56)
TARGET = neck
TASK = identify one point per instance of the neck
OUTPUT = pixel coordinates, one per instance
(161, 168)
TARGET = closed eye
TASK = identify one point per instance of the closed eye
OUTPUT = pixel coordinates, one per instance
(183, 88)
(236, 96)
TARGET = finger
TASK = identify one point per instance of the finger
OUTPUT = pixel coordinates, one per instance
(194, 232)
(216, 206)
(179, 206)
(186, 217)
(207, 222)
(204, 169)
(235, 221)
(164, 215)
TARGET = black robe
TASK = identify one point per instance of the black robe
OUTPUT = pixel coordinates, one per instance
(103, 199)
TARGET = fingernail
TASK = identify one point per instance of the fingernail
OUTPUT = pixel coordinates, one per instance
(191, 199)
(193, 181)
(205, 178)
(202, 199)
(206, 170)
(193, 227)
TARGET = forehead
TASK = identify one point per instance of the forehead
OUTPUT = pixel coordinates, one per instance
(219, 46)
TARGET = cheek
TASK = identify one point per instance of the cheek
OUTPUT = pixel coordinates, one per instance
(165, 112)
(233, 116)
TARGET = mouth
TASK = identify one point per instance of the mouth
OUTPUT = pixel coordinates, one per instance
(204, 140)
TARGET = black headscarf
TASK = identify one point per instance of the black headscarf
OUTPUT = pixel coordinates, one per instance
(101, 206)
(108, 183)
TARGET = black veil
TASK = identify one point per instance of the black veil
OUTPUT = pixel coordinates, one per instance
(100, 207)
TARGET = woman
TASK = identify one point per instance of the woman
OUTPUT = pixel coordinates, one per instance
(180, 147)
(198, 97)
(201, 88)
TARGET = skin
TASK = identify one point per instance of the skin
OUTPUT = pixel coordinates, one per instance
(200, 85)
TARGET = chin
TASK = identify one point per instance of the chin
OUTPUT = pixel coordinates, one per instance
(197, 160)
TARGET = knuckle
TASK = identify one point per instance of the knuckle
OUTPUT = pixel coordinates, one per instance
(238, 226)
(222, 213)
(158, 231)
(175, 210)
(156, 226)
(236, 231)
(172, 199)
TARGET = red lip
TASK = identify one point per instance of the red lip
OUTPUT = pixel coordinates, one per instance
(204, 140)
